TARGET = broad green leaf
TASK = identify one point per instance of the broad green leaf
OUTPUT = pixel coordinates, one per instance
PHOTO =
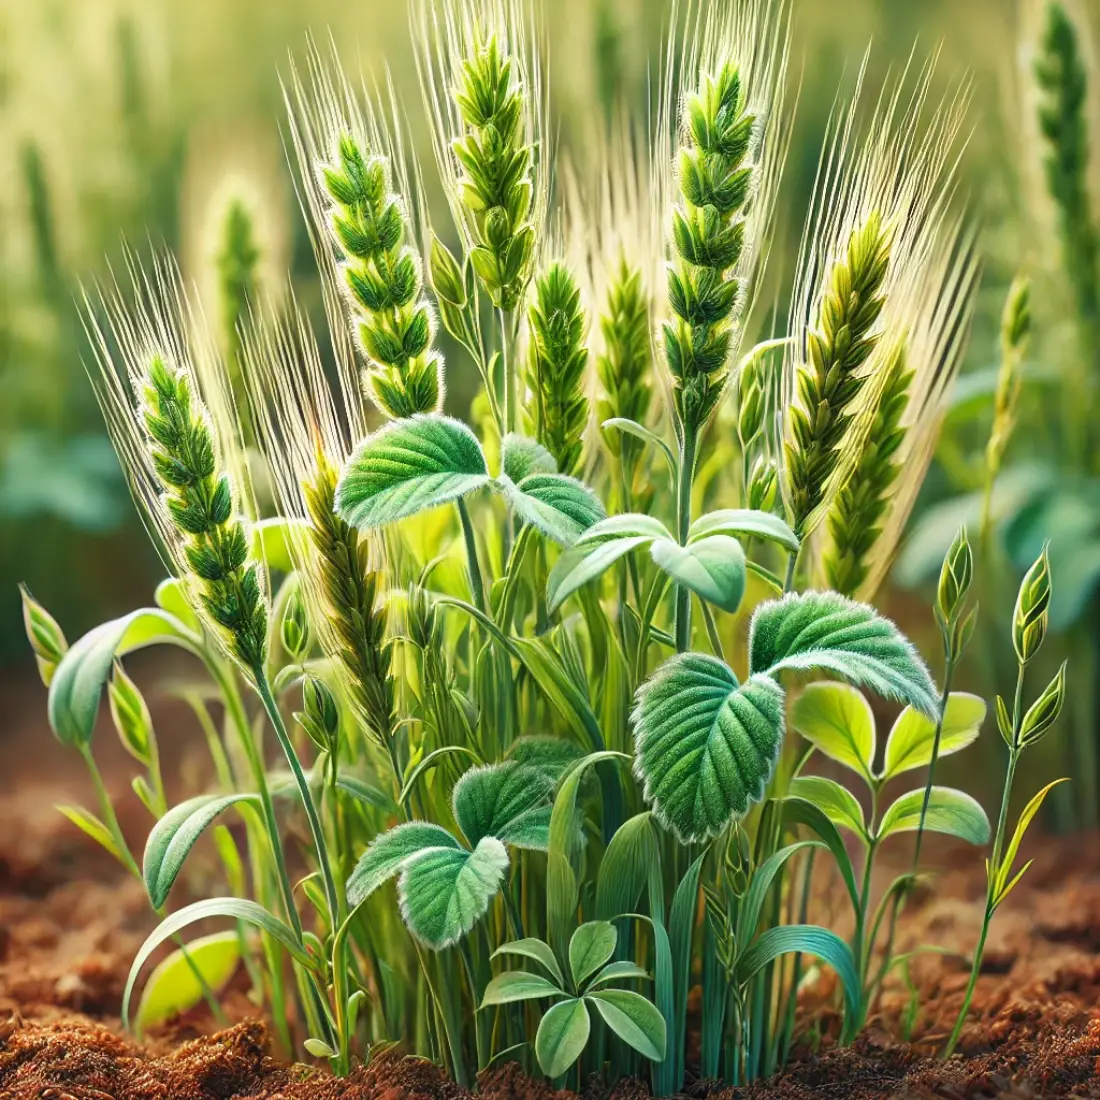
(518, 985)
(913, 735)
(581, 564)
(744, 523)
(589, 948)
(713, 568)
(562, 1036)
(521, 456)
(170, 596)
(408, 467)
(949, 811)
(628, 862)
(625, 525)
(705, 746)
(824, 630)
(173, 988)
(388, 851)
(621, 971)
(837, 720)
(238, 909)
(78, 681)
(1001, 883)
(444, 892)
(535, 949)
(89, 824)
(840, 805)
(808, 939)
(175, 834)
(274, 541)
(633, 1018)
(561, 507)
(510, 801)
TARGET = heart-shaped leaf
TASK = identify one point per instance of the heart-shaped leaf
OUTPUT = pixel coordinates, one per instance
(562, 1036)
(518, 985)
(840, 805)
(837, 720)
(174, 988)
(744, 523)
(510, 801)
(949, 811)
(444, 892)
(389, 851)
(713, 568)
(520, 456)
(705, 746)
(175, 834)
(590, 947)
(407, 467)
(561, 507)
(824, 630)
(913, 735)
(634, 1019)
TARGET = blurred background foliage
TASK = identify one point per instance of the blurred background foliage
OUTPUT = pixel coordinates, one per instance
(146, 123)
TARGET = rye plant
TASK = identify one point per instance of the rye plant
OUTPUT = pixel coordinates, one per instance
(514, 725)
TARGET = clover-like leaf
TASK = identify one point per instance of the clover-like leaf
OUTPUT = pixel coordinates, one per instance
(562, 1036)
(712, 567)
(837, 720)
(388, 853)
(521, 456)
(841, 807)
(590, 947)
(561, 507)
(824, 630)
(510, 801)
(444, 892)
(949, 811)
(408, 467)
(913, 735)
(705, 745)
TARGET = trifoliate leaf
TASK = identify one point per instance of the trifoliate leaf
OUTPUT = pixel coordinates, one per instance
(913, 735)
(713, 568)
(389, 851)
(837, 720)
(510, 801)
(949, 811)
(705, 746)
(824, 630)
(408, 467)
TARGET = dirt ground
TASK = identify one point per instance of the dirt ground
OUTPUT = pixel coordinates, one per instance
(70, 923)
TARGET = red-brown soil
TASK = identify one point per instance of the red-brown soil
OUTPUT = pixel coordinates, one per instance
(70, 923)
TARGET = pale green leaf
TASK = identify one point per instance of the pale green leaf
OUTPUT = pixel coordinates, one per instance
(837, 720)
(824, 630)
(590, 947)
(634, 1019)
(562, 1036)
(173, 987)
(712, 567)
(408, 467)
(705, 746)
(744, 523)
(510, 801)
(535, 949)
(561, 507)
(318, 1048)
(1002, 887)
(625, 525)
(89, 824)
(621, 971)
(389, 851)
(949, 811)
(913, 735)
(277, 541)
(521, 456)
(444, 892)
(840, 805)
(518, 985)
(171, 596)
(581, 564)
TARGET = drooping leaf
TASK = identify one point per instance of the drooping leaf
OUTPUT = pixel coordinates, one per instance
(824, 630)
(365, 792)
(752, 906)
(798, 811)
(510, 801)
(389, 851)
(840, 805)
(407, 467)
(561, 507)
(590, 947)
(634, 1019)
(173, 987)
(91, 826)
(175, 834)
(562, 1036)
(705, 746)
(713, 568)
(521, 456)
(913, 735)
(620, 971)
(744, 523)
(837, 720)
(949, 811)
(639, 431)
(518, 985)
(444, 892)
(535, 949)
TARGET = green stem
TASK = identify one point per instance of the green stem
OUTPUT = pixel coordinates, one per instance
(685, 477)
(477, 591)
(107, 811)
(712, 631)
(788, 580)
(945, 696)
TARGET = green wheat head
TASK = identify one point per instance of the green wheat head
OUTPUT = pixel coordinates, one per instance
(623, 367)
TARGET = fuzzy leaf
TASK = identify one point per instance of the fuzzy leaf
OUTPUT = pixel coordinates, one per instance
(837, 720)
(520, 456)
(705, 746)
(444, 892)
(562, 1036)
(173, 988)
(389, 851)
(561, 507)
(518, 985)
(841, 807)
(949, 811)
(824, 630)
(510, 801)
(535, 949)
(175, 834)
(713, 568)
(634, 1019)
(408, 467)
(590, 947)
(744, 523)
(913, 735)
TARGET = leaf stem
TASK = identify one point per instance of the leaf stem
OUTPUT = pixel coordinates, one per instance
(473, 569)
(685, 477)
